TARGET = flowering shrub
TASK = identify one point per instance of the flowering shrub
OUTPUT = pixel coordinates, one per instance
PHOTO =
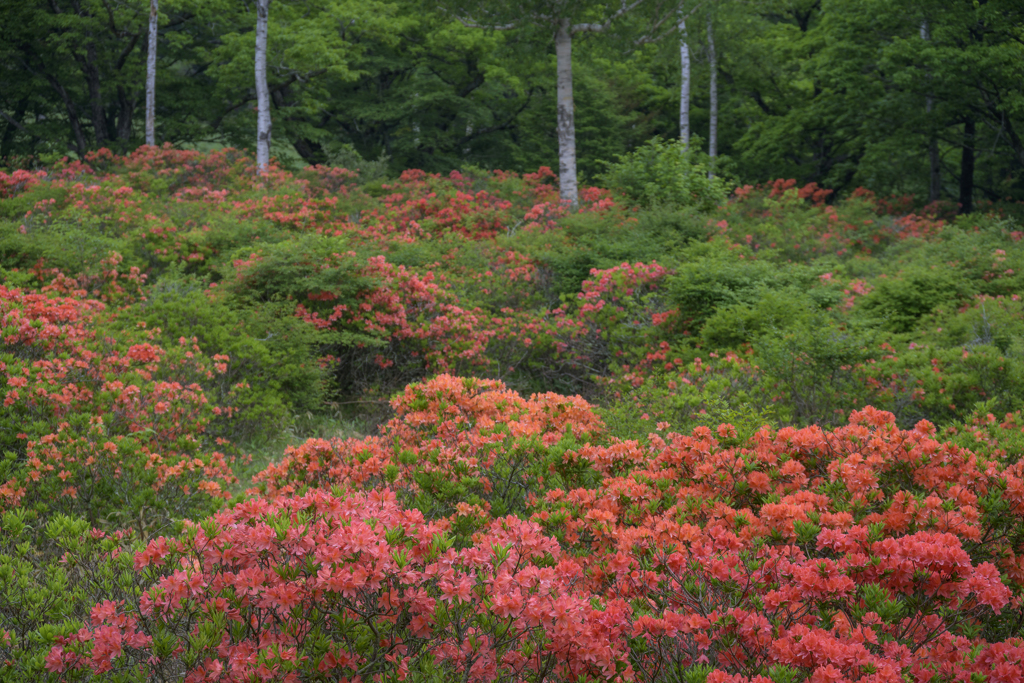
(853, 554)
(18, 181)
(356, 587)
(463, 449)
(720, 507)
(99, 429)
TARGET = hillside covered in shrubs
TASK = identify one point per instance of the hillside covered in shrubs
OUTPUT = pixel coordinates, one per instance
(312, 426)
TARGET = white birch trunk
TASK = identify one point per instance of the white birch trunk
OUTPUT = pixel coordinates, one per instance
(713, 127)
(151, 76)
(416, 124)
(934, 169)
(262, 92)
(566, 122)
(684, 88)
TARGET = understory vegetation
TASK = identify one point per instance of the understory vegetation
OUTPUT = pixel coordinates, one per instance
(319, 425)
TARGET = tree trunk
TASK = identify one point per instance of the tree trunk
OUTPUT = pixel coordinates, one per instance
(151, 76)
(92, 79)
(967, 169)
(713, 127)
(76, 124)
(262, 92)
(415, 124)
(126, 111)
(566, 123)
(9, 131)
(934, 169)
(311, 152)
(684, 88)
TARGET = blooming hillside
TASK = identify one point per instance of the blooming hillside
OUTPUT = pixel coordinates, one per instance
(614, 442)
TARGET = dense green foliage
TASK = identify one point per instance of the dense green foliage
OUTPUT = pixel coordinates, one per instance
(165, 315)
(911, 97)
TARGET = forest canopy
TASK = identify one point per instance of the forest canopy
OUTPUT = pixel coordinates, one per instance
(920, 97)
(531, 341)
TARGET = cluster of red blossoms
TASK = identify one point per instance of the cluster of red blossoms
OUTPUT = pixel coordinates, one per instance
(866, 553)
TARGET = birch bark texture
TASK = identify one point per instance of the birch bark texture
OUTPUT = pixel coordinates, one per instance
(568, 18)
(151, 74)
(684, 86)
(263, 122)
(566, 129)
(713, 126)
(934, 169)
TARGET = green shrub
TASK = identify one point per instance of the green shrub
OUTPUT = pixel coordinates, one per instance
(946, 383)
(771, 310)
(272, 369)
(719, 274)
(667, 174)
(811, 370)
(51, 577)
(70, 244)
(896, 304)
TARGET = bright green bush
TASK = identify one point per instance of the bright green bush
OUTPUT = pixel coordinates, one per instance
(666, 174)
(897, 303)
(52, 575)
(811, 370)
(720, 274)
(272, 369)
(770, 310)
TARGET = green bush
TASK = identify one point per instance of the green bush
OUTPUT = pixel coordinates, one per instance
(51, 577)
(896, 304)
(72, 245)
(273, 369)
(666, 174)
(719, 274)
(771, 310)
(811, 370)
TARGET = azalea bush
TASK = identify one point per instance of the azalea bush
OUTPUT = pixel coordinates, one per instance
(110, 431)
(774, 437)
(861, 553)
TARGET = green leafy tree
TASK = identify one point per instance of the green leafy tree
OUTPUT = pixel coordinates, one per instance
(568, 18)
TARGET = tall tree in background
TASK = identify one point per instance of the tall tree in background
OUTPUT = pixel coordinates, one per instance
(151, 74)
(262, 92)
(713, 97)
(934, 168)
(568, 18)
(684, 86)
(84, 66)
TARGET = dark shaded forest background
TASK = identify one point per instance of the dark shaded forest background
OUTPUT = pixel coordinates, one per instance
(901, 97)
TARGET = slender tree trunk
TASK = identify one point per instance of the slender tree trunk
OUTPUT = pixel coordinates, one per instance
(151, 76)
(126, 111)
(684, 88)
(13, 124)
(310, 151)
(76, 124)
(415, 124)
(92, 79)
(934, 169)
(934, 172)
(262, 92)
(566, 122)
(713, 128)
(967, 169)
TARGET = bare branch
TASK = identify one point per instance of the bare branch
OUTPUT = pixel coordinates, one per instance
(652, 34)
(598, 28)
(469, 23)
(17, 124)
